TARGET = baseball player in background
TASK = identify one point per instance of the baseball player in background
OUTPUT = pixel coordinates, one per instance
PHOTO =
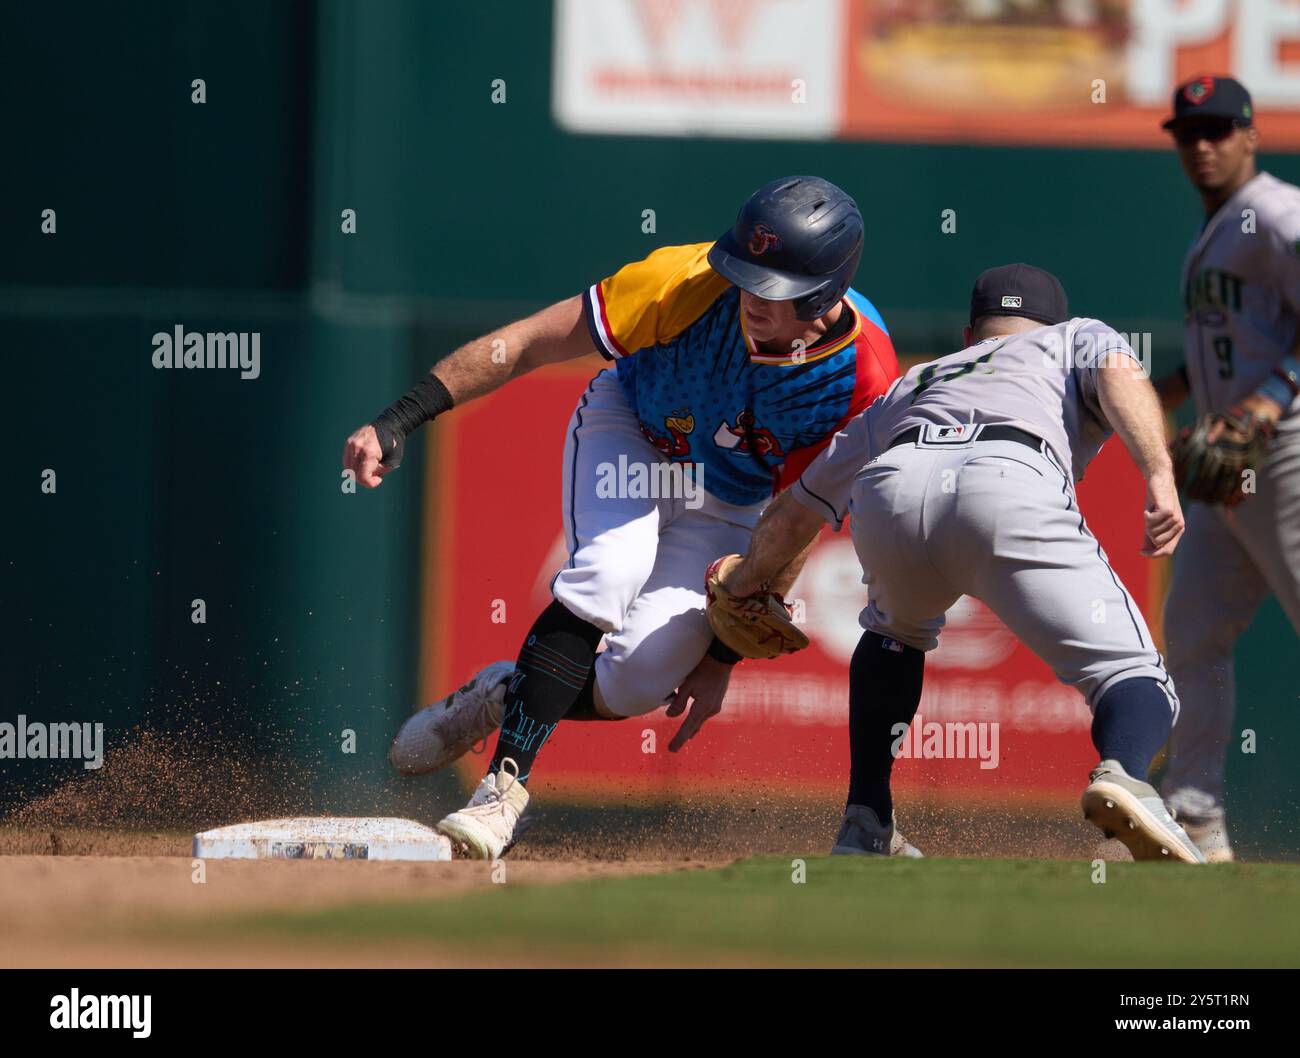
(961, 481)
(734, 362)
(1241, 289)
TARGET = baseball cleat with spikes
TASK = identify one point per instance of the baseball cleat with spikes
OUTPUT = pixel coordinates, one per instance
(1132, 811)
(446, 730)
(862, 834)
(485, 827)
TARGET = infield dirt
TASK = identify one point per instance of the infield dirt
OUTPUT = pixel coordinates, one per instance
(98, 872)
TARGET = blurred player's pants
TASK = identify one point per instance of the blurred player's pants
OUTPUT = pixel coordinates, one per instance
(1228, 562)
(636, 563)
(998, 521)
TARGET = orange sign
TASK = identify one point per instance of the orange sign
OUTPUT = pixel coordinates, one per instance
(1092, 74)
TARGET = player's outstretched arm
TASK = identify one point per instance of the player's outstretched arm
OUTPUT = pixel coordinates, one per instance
(777, 549)
(1133, 409)
(554, 334)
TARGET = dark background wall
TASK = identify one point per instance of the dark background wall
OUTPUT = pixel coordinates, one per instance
(226, 216)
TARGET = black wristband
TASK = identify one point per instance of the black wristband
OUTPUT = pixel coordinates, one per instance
(425, 401)
(719, 651)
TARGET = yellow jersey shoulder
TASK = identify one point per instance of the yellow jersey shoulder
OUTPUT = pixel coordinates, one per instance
(653, 300)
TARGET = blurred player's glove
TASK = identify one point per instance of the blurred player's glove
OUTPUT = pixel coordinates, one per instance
(754, 626)
(1213, 456)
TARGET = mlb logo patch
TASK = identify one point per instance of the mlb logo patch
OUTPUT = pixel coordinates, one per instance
(892, 645)
(935, 436)
(1010, 301)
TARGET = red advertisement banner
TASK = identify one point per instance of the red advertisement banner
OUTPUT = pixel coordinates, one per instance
(993, 719)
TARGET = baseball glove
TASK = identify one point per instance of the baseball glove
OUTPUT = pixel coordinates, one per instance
(1214, 471)
(754, 626)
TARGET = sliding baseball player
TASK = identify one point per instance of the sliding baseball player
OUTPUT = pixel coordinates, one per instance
(733, 364)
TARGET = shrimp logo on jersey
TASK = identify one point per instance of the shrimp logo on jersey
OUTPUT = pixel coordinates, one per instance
(762, 239)
(746, 437)
(676, 441)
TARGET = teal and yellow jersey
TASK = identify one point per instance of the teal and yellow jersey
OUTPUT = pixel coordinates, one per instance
(704, 393)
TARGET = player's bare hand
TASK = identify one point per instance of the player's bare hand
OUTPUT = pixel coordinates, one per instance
(740, 580)
(362, 455)
(1163, 516)
(707, 686)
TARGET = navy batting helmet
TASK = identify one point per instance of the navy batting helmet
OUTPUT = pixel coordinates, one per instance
(797, 239)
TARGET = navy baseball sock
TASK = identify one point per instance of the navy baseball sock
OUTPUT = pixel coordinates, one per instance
(884, 690)
(1131, 722)
(553, 669)
(585, 706)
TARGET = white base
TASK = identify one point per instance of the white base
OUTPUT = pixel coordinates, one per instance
(323, 838)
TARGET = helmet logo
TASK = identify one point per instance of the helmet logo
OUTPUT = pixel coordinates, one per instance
(1200, 90)
(762, 239)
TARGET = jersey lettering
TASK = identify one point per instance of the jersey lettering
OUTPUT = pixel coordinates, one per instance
(1213, 289)
(931, 377)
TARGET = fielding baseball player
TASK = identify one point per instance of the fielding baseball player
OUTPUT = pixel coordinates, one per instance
(1240, 464)
(961, 481)
(734, 363)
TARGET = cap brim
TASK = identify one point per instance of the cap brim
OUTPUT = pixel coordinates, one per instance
(771, 284)
(1204, 119)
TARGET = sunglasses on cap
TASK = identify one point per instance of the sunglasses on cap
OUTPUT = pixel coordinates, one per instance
(1214, 131)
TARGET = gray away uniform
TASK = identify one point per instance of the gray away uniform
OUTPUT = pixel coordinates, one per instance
(952, 513)
(1242, 300)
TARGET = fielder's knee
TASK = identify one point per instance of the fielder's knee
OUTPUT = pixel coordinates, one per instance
(1154, 680)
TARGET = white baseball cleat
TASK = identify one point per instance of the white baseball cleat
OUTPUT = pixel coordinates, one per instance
(1204, 821)
(446, 730)
(862, 834)
(1131, 810)
(486, 826)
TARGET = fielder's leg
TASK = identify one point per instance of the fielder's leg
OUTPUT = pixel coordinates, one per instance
(1215, 593)
(1228, 562)
(1041, 570)
(884, 691)
(902, 622)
